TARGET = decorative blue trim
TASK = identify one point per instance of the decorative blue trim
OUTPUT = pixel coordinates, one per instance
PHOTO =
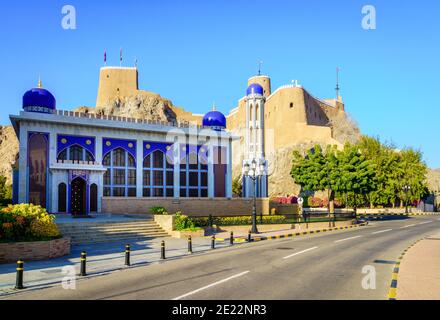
(109, 144)
(46, 136)
(66, 141)
(201, 151)
(15, 182)
(151, 146)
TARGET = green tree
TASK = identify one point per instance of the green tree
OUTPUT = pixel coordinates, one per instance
(237, 186)
(5, 189)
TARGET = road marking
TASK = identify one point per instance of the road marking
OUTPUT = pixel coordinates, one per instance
(410, 225)
(210, 285)
(297, 253)
(425, 222)
(381, 231)
(347, 239)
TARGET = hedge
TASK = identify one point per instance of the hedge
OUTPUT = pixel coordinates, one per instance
(236, 221)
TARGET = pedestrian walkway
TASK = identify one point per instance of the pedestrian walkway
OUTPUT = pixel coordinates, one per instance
(101, 258)
(419, 272)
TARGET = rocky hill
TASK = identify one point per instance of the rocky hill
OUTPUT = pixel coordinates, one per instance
(8, 151)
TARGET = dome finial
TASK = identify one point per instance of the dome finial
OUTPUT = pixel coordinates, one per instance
(40, 84)
(214, 108)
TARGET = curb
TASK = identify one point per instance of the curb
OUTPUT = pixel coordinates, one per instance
(392, 292)
(397, 214)
(291, 235)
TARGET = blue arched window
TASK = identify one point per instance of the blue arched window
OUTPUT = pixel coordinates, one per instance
(120, 177)
(158, 175)
(193, 176)
(75, 153)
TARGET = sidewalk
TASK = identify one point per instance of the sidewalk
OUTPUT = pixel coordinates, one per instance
(101, 258)
(419, 272)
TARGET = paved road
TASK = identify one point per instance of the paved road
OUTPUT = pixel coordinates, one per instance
(322, 266)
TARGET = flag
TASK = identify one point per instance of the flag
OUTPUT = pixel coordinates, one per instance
(105, 56)
(120, 55)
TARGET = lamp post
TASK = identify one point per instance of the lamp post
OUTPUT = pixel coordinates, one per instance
(406, 189)
(253, 170)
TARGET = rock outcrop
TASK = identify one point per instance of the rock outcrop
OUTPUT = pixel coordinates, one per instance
(142, 105)
(8, 151)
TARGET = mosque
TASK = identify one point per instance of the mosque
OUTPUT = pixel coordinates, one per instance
(84, 162)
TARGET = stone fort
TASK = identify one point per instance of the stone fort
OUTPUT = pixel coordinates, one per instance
(289, 117)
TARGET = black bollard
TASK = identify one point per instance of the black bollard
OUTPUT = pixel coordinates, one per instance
(231, 238)
(190, 246)
(249, 236)
(162, 250)
(83, 264)
(127, 255)
(213, 242)
(20, 269)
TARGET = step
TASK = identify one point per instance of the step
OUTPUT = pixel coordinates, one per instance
(89, 236)
(105, 225)
(86, 230)
(113, 239)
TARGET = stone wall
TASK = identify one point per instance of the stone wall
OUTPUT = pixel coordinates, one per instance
(38, 250)
(188, 206)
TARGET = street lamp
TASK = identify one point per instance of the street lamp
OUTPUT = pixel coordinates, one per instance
(253, 170)
(406, 188)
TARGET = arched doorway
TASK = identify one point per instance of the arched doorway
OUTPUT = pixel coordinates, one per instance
(62, 197)
(93, 198)
(78, 197)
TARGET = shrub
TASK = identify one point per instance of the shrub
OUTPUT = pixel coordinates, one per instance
(158, 210)
(27, 222)
(183, 222)
(238, 220)
(286, 200)
(314, 202)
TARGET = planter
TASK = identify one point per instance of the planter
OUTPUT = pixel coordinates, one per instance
(186, 234)
(37, 250)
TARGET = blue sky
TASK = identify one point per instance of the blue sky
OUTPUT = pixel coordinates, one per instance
(197, 52)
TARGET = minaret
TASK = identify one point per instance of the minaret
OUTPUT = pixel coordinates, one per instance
(254, 139)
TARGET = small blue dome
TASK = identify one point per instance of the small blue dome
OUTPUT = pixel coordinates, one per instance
(254, 88)
(215, 120)
(39, 100)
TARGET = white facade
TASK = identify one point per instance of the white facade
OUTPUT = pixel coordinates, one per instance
(142, 132)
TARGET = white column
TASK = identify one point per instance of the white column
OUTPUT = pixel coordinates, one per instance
(176, 154)
(254, 125)
(262, 129)
(229, 169)
(247, 135)
(211, 181)
(139, 167)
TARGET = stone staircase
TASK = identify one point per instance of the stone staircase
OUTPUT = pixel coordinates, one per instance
(100, 232)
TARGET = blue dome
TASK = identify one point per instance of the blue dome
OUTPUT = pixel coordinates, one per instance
(214, 119)
(254, 88)
(39, 100)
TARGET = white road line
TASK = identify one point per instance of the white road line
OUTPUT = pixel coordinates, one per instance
(347, 239)
(410, 225)
(297, 253)
(210, 285)
(425, 222)
(381, 231)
